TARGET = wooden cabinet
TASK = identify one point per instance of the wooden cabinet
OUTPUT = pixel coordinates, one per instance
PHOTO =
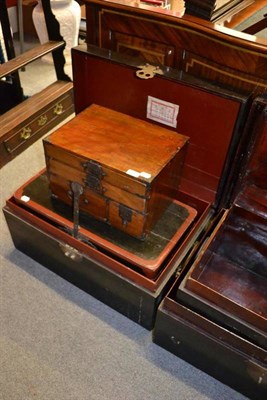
(23, 119)
(205, 50)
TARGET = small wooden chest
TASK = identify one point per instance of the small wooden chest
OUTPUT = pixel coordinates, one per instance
(125, 167)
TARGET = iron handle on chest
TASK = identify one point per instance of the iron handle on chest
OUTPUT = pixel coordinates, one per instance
(94, 176)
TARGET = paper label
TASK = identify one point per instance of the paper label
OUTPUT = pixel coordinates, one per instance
(25, 198)
(133, 173)
(162, 111)
(136, 174)
(145, 175)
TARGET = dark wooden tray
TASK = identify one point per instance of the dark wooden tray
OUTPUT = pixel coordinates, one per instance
(146, 255)
(232, 274)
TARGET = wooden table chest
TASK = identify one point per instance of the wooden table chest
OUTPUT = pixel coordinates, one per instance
(125, 167)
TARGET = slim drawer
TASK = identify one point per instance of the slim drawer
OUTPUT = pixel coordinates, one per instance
(35, 125)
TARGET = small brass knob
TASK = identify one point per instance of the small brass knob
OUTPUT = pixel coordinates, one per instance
(58, 109)
(25, 133)
(42, 120)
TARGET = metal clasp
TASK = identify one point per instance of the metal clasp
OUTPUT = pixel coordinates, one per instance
(70, 252)
(94, 175)
(148, 71)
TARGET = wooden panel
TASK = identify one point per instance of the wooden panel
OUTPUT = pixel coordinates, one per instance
(136, 143)
(101, 77)
(210, 347)
(227, 77)
(227, 281)
(48, 116)
(150, 51)
(237, 57)
(96, 206)
(53, 154)
(134, 227)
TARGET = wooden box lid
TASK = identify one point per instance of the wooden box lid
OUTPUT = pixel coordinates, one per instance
(210, 116)
(118, 141)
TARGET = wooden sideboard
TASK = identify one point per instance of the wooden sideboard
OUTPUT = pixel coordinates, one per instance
(159, 36)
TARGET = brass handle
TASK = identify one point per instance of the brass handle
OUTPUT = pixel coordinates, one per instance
(25, 133)
(42, 120)
(58, 110)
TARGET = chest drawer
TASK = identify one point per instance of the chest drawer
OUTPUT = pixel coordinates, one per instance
(49, 116)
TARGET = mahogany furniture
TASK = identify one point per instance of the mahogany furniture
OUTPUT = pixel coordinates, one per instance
(24, 120)
(205, 50)
(24, 123)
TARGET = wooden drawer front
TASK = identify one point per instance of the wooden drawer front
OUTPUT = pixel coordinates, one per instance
(199, 66)
(55, 155)
(90, 202)
(38, 122)
(150, 51)
(67, 172)
(128, 199)
(64, 173)
(125, 182)
(127, 220)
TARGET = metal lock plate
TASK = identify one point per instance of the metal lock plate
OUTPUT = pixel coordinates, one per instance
(148, 71)
(94, 175)
(94, 183)
(125, 214)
